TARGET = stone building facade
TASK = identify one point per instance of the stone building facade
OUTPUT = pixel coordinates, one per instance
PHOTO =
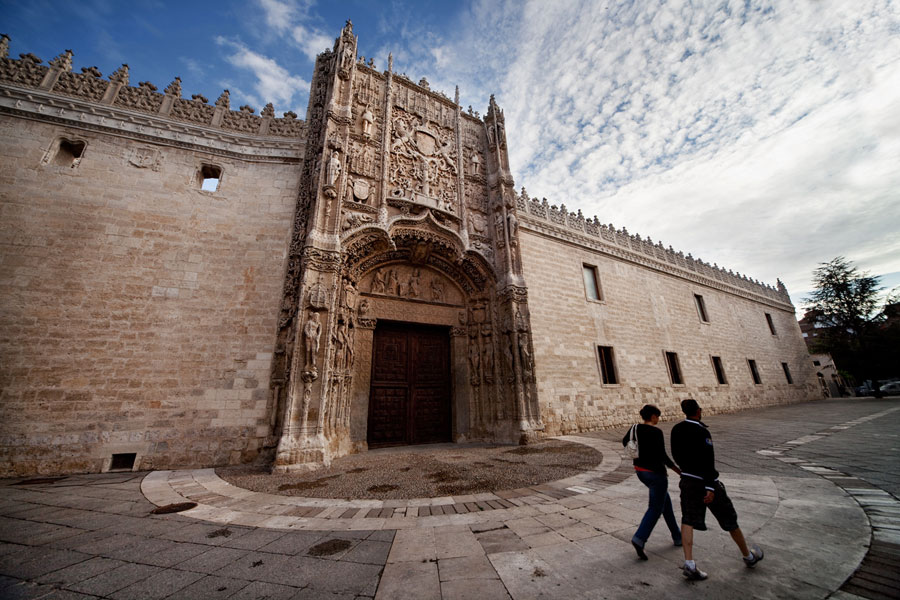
(189, 285)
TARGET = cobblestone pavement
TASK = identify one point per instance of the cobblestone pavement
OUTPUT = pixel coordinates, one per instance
(92, 536)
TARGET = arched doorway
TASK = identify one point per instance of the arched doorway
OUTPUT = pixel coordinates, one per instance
(410, 395)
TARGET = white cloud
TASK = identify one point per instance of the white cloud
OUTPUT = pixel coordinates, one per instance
(273, 82)
(312, 42)
(290, 20)
(763, 135)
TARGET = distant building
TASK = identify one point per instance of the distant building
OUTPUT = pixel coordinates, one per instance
(186, 285)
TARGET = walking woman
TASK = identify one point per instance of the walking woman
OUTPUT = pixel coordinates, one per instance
(650, 466)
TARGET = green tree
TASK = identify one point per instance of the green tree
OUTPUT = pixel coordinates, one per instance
(845, 304)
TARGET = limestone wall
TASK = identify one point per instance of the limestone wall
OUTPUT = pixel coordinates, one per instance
(645, 311)
(138, 313)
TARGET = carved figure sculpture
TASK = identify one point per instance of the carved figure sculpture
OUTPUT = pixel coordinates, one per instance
(474, 363)
(312, 330)
(508, 358)
(520, 321)
(513, 226)
(413, 287)
(445, 154)
(437, 290)
(402, 134)
(349, 296)
(339, 339)
(525, 355)
(488, 359)
(347, 58)
(333, 170)
(378, 283)
(351, 335)
(367, 119)
(393, 285)
(476, 164)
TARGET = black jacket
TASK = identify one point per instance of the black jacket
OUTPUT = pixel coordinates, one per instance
(652, 449)
(692, 449)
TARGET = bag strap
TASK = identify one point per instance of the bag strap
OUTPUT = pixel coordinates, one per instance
(634, 432)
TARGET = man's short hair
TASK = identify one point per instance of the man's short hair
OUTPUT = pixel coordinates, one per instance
(648, 411)
(689, 407)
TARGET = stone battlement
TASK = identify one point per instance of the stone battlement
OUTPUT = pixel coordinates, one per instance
(592, 230)
(57, 77)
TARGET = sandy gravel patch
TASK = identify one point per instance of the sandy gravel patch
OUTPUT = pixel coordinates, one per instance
(425, 471)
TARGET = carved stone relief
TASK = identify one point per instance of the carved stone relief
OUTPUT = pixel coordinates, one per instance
(352, 220)
(88, 84)
(478, 225)
(423, 163)
(192, 110)
(144, 97)
(412, 282)
(476, 198)
(362, 160)
(146, 158)
(312, 331)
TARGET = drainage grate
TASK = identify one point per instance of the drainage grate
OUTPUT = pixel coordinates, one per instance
(173, 508)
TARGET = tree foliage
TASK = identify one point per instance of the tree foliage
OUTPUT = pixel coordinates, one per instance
(844, 298)
(845, 305)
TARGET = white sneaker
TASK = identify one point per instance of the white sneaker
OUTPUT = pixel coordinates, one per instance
(756, 555)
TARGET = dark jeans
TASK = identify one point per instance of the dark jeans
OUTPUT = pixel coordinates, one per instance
(660, 504)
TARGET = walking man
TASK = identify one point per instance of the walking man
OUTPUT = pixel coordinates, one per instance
(692, 449)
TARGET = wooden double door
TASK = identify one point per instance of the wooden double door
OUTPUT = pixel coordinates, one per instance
(409, 398)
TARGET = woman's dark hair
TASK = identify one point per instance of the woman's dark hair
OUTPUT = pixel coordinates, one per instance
(648, 411)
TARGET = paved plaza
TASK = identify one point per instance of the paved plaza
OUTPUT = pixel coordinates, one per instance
(815, 485)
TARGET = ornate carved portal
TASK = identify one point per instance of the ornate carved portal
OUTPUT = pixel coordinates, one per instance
(407, 215)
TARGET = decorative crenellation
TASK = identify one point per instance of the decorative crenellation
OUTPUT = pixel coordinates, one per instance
(58, 78)
(609, 235)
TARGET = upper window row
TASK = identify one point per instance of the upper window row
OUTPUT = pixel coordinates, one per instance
(593, 291)
(65, 152)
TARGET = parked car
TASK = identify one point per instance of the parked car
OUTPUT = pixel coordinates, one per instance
(891, 388)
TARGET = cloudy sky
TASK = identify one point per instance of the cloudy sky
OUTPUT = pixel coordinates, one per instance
(762, 135)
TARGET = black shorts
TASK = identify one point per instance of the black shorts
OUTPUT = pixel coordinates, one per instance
(693, 510)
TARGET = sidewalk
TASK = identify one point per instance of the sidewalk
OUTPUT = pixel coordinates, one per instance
(92, 536)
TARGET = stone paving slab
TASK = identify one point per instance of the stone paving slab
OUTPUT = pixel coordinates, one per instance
(817, 519)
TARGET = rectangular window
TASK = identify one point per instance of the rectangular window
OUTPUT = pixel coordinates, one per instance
(701, 308)
(591, 282)
(787, 373)
(817, 363)
(674, 368)
(771, 324)
(209, 177)
(753, 371)
(607, 365)
(719, 369)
